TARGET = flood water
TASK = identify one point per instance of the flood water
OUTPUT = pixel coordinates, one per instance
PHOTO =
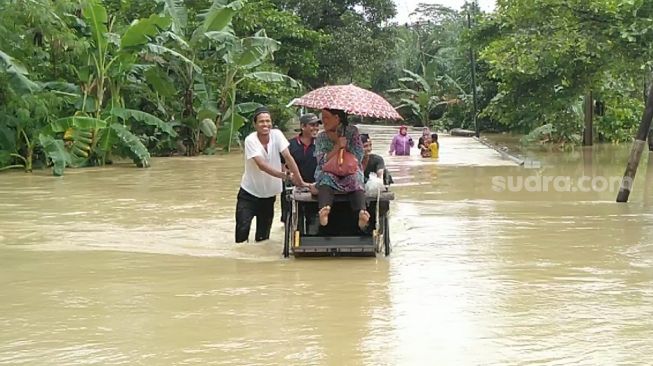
(120, 265)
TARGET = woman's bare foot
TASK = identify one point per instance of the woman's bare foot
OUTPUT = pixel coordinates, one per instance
(363, 219)
(324, 215)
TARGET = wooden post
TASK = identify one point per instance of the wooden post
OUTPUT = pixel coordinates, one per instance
(589, 116)
(638, 147)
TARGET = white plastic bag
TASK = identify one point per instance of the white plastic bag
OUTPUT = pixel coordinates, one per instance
(374, 184)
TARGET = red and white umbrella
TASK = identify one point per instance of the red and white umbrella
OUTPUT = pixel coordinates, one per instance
(351, 99)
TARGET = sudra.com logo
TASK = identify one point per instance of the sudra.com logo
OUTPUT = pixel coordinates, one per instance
(556, 183)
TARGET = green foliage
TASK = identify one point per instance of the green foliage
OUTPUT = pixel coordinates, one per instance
(17, 74)
(144, 117)
(84, 81)
(297, 55)
(134, 147)
(142, 31)
(621, 119)
(208, 127)
(355, 41)
(56, 152)
(545, 54)
(430, 73)
(419, 97)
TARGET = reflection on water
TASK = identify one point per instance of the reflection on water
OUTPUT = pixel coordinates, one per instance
(120, 265)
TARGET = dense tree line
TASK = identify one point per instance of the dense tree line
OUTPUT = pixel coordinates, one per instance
(85, 81)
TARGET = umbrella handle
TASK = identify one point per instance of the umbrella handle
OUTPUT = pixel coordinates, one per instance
(341, 156)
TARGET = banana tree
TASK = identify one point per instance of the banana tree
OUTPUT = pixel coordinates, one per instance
(178, 52)
(67, 141)
(241, 56)
(215, 37)
(90, 139)
(77, 141)
(422, 96)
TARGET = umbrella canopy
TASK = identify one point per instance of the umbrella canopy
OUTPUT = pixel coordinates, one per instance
(351, 99)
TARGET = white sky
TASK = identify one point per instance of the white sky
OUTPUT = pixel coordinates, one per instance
(405, 7)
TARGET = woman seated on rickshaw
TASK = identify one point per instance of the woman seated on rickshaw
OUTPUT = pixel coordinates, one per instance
(339, 134)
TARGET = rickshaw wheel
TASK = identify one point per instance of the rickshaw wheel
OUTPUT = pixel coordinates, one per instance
(287, 234)
(386, 235)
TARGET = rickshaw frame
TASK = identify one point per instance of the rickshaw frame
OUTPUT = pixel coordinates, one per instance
(301, 243)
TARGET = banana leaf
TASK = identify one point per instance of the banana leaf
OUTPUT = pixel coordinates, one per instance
(407, 91)
(207, 126)
(225, 132)
(252, 51)
(414, 105)
(162, 50)
(216, 19)
(165, 36)
(18, 74)
(161, 83)
(141, 31)
(272, 77)
(219, 17)
(420, 80)
(203, 90)
(107, 139)
(247, 107)
(208, 112)
(55, 150)
(139, 152)
(63, 124)
(96, 15)
(144, 117)
(178, 14)
(221, 37)
(63, 88)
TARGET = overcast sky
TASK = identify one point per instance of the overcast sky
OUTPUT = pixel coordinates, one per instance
(405, 7)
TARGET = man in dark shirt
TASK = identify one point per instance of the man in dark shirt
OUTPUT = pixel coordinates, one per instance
(302, 149)
(372, 162)
(302, 146)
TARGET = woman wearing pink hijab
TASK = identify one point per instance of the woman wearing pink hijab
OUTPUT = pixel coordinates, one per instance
(401, 143)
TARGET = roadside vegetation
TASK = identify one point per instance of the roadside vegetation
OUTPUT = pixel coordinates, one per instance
(86, 82)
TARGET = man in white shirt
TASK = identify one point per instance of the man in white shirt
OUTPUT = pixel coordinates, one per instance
(262, 179)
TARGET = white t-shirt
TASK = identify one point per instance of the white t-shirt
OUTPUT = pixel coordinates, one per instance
(255, 181)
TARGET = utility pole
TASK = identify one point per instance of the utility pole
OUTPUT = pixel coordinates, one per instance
(472, 62)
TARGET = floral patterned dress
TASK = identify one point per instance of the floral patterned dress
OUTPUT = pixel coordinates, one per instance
(324, 145)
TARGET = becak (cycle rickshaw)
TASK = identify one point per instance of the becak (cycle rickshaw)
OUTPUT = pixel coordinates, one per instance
(341, 237)
(304, 237)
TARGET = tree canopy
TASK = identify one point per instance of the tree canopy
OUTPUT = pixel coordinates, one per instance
(84, 82)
